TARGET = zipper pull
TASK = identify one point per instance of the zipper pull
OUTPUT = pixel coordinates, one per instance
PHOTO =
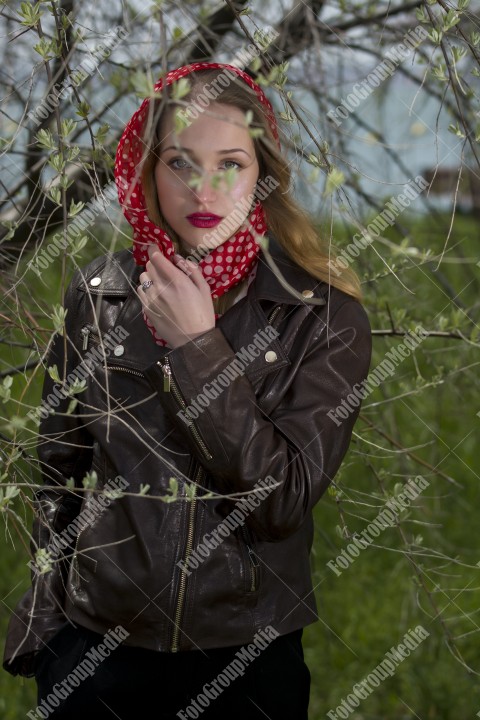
(85, 332)
(167, 375)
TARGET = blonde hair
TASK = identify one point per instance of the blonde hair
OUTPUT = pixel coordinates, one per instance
(286, 220)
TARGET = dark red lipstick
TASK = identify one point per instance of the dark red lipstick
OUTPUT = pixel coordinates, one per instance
(204, 220)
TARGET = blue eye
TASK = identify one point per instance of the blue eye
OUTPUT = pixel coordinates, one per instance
(179, 164)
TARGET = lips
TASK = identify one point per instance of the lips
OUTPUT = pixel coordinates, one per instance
(204, 220)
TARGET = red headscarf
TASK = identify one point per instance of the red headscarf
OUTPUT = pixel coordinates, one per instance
(229, 263)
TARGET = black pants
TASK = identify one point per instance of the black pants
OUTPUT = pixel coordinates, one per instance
(133, 683)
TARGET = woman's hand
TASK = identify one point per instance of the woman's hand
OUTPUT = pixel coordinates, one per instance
(178, 303)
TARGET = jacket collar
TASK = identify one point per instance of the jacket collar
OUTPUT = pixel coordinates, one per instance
(266, 285)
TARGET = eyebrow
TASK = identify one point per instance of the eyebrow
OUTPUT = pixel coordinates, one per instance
(220, 152)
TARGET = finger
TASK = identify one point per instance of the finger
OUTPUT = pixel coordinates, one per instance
(145, 278)
(194, 272)
(187, 266)
(158, 260)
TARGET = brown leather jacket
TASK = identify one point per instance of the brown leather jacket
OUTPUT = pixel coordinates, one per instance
(126, 566)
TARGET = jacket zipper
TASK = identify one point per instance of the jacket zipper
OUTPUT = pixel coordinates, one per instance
(274, 314)
(188, 549)
(169, 384)
(86, 331)
(119, 368)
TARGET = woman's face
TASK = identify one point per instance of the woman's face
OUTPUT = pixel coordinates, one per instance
(215, 142)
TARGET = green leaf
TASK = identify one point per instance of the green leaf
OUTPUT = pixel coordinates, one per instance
(450, 20)
(180, 88)
(262, 241)
(180, 120)
(190, 491)
(31, 14)
(45, 49)
(90, 480)
(71, 406)
(75, 208)
(435, 36)
(196, 180)
(177, 33)
(73, 152)
(77, 386)
(439, 71)
(58, 317)
(77, 245)
(335, 179)
(422, 15)
(256, 64)
(53, 372)
(67, 126)
(475, 38)
(143, 85)
(43, 561)
(56, 195)
(101, 133)
(5, 393)
(83, 108)
(57, 162)
(456, 130)
(458, 53)
(230, 178)
(173, 490)
(45, 140)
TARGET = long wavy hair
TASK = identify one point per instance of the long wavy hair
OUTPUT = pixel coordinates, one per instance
(292, 227)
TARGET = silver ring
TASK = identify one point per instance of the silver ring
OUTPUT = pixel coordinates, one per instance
(146, 284)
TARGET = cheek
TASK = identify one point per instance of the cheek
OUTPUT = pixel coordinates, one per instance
(168, 187)
(244, 186)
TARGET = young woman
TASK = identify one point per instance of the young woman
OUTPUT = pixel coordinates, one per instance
(213, 367)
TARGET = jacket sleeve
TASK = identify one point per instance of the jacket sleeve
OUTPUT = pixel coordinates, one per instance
(64, 451)
(301, 445)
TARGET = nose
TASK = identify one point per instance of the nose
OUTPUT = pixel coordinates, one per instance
(204, 191)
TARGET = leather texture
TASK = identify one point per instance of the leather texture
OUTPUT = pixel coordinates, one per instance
(272, 420)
